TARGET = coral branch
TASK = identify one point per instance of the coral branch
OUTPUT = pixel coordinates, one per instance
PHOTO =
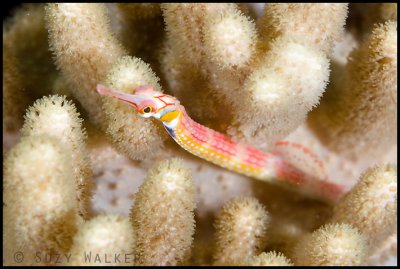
(184, 23)
(84, 47)
(40, 210)
(332, 244)
(277, 96)
(26, 35)
(288, 73)
(384, 251)
(229, 44)
(58, 117)
(358, 118)
(183, 58)
(104, 240)
(137, 137)
(186, 83)
(240, 230)
(162, 215)
(371, 206)
(299, 21)
(14, 94)
(229, 39)
(268, 259)
(388, 11)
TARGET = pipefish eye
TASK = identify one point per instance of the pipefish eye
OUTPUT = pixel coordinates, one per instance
(147, 109)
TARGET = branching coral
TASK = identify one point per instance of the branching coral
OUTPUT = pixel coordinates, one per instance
(40, 210)
(256, 75)
(84, 47)
(290, 74)
(14, 94)
(182, 25)
(26, 35)
(183, 56)
(371, 206)
(355, 114)
(280, 97)
(240, 230)
(384, 251)
(104, 240)
(162, 215)
(56, 116)
(298, 21)
(229, 39)
(257, 84)
(333, 244)
(268, 259)
(388, 11)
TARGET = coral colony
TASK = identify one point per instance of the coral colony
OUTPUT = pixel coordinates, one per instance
(300, 94)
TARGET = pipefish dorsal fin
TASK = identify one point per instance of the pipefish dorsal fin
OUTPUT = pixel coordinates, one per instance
(301, 157)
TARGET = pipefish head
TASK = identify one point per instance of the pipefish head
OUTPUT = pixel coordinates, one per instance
(147, 102)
